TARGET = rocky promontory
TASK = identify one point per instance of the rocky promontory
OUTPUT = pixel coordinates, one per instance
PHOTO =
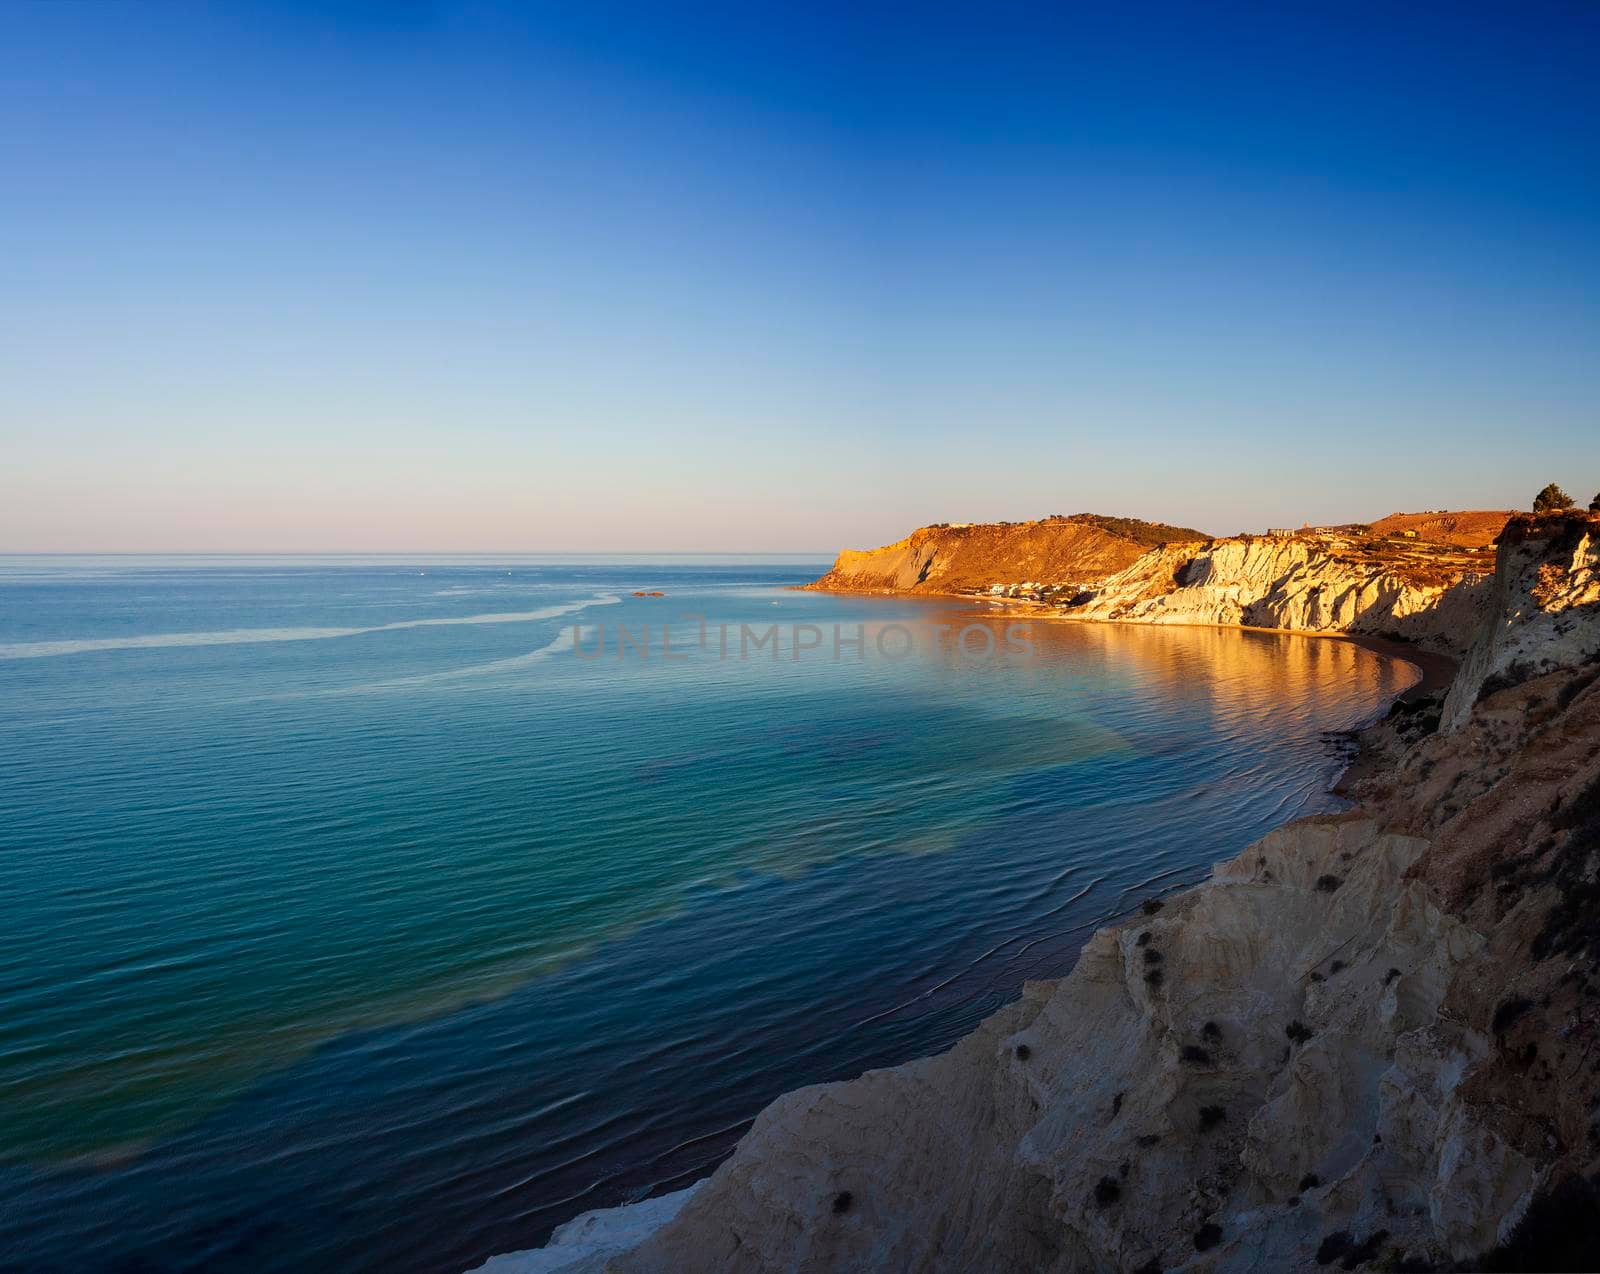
(1413, 577)
(1056, 555)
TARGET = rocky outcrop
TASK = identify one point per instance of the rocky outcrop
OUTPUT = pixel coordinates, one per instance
(1370, 1041)
(1545, 597)
(1054, 554)
(1307, 581)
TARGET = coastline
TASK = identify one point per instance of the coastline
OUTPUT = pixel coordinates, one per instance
(592, 1239)
(1372, 743)
(1435, 670)
(1344, 1044)
(1369, 742)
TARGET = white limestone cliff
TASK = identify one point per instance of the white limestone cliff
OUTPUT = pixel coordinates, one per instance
(1305, 582)
(1545, 597)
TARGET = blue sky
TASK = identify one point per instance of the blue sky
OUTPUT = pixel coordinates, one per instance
(461, 276)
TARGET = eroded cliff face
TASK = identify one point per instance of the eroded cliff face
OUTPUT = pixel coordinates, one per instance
(1310, 582)
(1546, 588)
(1370, 1041)
(1059, 553)
(1433, 589)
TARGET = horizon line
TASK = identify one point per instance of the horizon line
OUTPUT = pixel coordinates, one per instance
(417, 553)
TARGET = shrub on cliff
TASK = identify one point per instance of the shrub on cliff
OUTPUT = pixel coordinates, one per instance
(1594, 504)
(1551, 500)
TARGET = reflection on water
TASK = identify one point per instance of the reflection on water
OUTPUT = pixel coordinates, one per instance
(401, 978)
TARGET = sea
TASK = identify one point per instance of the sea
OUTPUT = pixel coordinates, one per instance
(383, 913)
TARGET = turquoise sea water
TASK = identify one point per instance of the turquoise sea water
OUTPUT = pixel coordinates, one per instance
(380, 914)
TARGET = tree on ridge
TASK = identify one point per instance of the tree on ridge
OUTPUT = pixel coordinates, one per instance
(1551, 499)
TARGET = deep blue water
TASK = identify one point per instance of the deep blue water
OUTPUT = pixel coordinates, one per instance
(366, 914)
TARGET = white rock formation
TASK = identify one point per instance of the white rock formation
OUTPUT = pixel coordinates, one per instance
(1310, 583)
(1545, 611)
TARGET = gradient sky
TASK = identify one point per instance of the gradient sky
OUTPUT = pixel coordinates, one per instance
(461, 276)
